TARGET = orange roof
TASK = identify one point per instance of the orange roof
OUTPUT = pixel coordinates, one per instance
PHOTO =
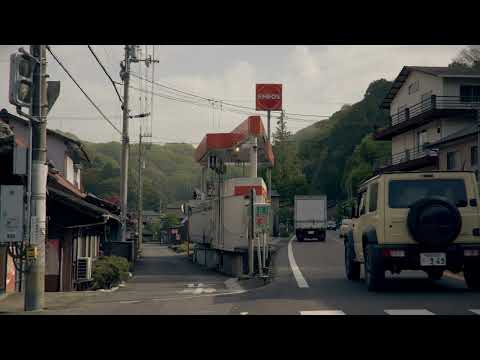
(252, 126)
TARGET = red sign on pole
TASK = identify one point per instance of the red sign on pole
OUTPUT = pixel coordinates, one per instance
(269, 97)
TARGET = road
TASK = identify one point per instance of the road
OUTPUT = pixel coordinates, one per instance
(308, 280)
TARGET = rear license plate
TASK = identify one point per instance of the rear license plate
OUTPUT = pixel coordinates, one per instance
(433, 259)
(311, 232)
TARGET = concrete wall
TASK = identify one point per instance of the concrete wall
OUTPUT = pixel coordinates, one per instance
(426, 83)
(56, 150)
(452, 85)
(463, 148)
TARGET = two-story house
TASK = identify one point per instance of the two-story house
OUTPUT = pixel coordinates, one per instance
(426, 104)
(79, 225)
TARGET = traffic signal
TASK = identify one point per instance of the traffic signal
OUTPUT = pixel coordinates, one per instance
(21, 80)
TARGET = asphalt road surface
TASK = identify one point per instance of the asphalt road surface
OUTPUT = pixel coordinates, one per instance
(309, 279)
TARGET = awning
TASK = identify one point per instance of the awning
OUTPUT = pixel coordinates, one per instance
(228, 146)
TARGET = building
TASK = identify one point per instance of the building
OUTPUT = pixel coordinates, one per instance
(151, 216)
(458, 151)
(79, 225)
(426, 105)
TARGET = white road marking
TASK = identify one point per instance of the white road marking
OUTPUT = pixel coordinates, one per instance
(202, 295)
(301, 282)
(199, 290)
(323, 312)
(475, 311)
(409, 312)
(129, 302)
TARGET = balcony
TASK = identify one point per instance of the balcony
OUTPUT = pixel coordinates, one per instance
(408, 160)
(427, 110)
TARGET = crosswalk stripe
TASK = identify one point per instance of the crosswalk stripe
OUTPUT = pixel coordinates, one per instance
(322, 312)
(409, 312)
(475, 311)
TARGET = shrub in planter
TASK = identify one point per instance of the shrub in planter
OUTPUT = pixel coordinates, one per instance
(109, 271)
(122, 265)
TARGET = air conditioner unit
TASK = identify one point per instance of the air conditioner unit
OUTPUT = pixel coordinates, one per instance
(84, 268)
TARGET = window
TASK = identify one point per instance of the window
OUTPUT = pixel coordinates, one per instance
(361, 208)
(422, 138)
(413, 87)
(373, 199)
(469, 93)
(452, 160)
(403, 193)
(474, 155)
(69, 170)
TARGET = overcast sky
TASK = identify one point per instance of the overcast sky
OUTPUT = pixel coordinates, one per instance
(316, 80)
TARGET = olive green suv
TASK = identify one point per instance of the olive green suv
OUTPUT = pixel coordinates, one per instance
(428, 221)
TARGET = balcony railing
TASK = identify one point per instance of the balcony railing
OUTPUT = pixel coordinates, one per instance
(405, 156)
(435, 102)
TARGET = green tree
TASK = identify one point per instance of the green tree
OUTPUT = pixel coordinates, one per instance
(325, 147)
(287, 175)
(362, 163)
(468, 58)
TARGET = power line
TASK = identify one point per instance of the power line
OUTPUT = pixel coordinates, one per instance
(309, 115)
(106, 73)
(83, 91)
(218, 100)
(204, 105)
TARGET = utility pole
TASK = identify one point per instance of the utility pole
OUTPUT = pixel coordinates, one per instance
(140, 193)
(125, 74)
(35, 274)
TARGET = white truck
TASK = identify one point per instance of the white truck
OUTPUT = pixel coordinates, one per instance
(310, 217)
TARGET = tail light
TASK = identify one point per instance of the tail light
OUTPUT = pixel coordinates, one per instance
(393, 253)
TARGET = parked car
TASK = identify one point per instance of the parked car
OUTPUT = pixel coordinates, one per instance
(428, 221)
(331, 225)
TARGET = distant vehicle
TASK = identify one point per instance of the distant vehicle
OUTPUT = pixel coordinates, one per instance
(427, 221)
(310, 217)
(345, 227)
(331, 225)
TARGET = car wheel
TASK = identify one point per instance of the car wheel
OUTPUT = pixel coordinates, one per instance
(374, 272)
(299, 238)
(472, 278)
(352, 267)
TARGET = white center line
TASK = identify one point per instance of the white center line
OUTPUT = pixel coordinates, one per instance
(322, 312)
(301, 282)
(409, 312)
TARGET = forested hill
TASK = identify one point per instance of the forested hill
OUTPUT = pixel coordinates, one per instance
(170, 173)
(326, 148)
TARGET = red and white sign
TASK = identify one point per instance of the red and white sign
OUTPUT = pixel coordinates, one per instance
(269, 97)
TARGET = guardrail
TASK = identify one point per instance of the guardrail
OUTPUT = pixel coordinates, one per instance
(435, 102)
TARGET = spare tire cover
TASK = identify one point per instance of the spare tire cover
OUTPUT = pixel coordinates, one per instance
(434, 222)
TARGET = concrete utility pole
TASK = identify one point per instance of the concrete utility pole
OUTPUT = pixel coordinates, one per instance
(140, 193)
(269, 169)
(35, 274)
(125, 141)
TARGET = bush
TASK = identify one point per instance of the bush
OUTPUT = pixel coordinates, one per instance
(109, 271)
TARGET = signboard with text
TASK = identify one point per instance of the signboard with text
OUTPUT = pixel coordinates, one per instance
(261, 217)
(269, 97)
